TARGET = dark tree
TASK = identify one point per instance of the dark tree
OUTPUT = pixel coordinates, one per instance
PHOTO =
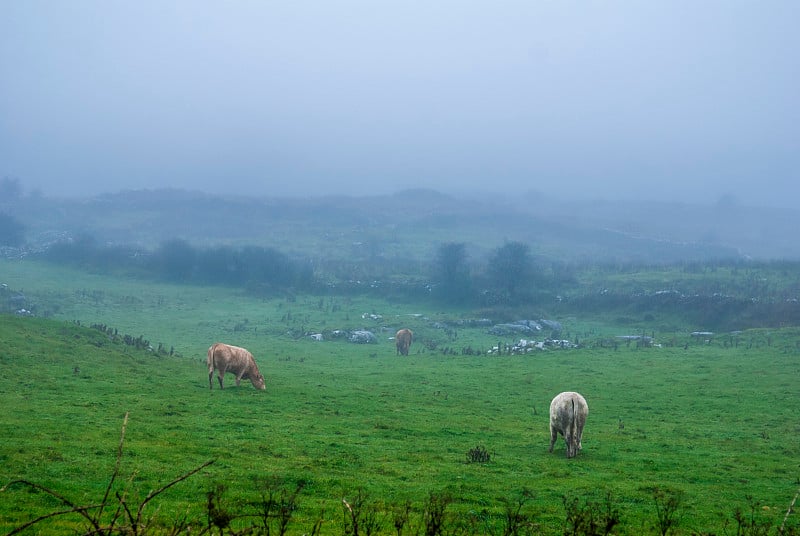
(266, 265)
(176, 260)
(217, 266)
(510, 269)
(257, 268)
(11, 231)
(451, 273)
(79, 251)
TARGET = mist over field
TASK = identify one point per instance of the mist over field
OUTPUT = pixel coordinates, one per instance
(646, 132)
(411, 224)
(651, 102)
(408, 225)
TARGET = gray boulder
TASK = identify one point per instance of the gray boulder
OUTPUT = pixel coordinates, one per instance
(362, 337)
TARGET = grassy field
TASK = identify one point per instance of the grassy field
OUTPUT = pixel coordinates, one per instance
(715, 421)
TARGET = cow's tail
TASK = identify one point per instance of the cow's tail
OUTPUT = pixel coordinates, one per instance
(210, 358)
(573, 427)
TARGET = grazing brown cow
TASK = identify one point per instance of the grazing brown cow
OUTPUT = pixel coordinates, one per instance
(227, 358)
(568, 413)
(402, 341)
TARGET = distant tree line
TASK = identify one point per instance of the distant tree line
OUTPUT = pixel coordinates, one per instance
(258, 269)
(716, 295)
(510, 275)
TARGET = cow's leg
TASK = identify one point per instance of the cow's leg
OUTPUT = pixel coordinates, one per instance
(220, 374)
(211, 379)
(571, 441)
(553, 437)
(239, 378)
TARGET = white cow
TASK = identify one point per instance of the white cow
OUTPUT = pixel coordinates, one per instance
(568, 413)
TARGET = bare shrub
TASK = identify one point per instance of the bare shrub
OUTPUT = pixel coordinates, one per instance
(667, 503)
(517, 522)
(361, 517)
(433, 516)
(277, 504)
(590, 518)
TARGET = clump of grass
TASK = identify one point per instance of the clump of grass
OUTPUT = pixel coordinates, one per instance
(478, 454)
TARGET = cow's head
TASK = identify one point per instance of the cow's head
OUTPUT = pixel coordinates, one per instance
(259, 382)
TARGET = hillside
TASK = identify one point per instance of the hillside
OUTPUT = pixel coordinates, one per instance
(356, 422)
(413, 223)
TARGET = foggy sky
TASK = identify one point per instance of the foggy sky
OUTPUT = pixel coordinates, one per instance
(676, 100)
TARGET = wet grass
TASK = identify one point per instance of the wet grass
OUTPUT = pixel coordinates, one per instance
(716, 421)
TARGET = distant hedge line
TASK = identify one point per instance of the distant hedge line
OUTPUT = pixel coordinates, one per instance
(731, 302)
(258, 268)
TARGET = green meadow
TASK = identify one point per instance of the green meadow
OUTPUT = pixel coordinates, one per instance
(713, 422)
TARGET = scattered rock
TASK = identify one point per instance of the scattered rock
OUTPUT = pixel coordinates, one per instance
(362, 337)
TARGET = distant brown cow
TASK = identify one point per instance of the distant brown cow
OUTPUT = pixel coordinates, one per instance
(568, 413)
(226, 358)
(402, 341)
